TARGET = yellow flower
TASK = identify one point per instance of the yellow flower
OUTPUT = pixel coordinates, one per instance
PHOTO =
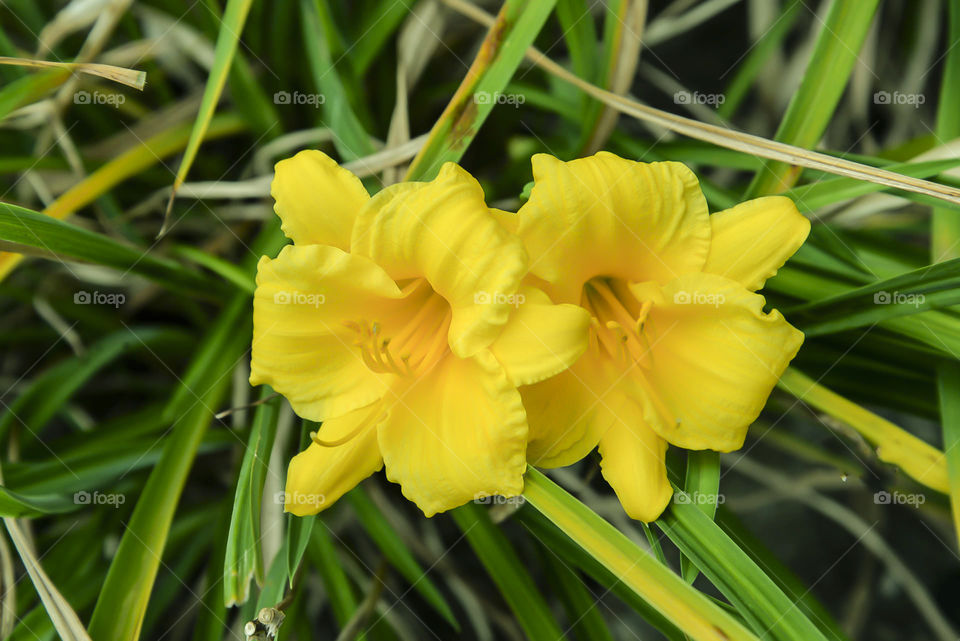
(680, 351)
(399, 322)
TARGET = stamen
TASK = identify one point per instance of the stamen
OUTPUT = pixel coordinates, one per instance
(368, 421)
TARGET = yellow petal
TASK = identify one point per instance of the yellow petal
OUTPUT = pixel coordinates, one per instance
(607, 216)
(319, 475)
(317, 200)
(567, 413)
(508, 220)
(443, 231)
(632, 461)
(752, 240)
(714, 359)
(456, 434)
(540, 339)
(301, 346)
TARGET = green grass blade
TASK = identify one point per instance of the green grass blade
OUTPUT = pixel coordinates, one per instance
(322, 553)
(683, 606)
(229, 36)
(25, 230)
(243, 560)
(398, 554)
(508, 572)
(945, 236)
(702, 483)
(583, 613)
(781, 574)
(134, 567)
(566, 549)
(835, 190)
(754, 61)
(920, 460)
(917, 291)
(515, 29)
(834, 55)
(15, 505)
(350, 139)
(756, 597)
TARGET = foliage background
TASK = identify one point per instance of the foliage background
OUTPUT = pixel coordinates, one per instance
(113, 366)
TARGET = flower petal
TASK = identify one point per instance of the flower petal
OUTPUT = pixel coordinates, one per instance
(301, 346)
(317, 199)
(752, 240)
(715, 357)
(443, 231)
(456, 434)
(540, 339)
(567, 414)
(632, 461)
(607, 216)
(319, 475)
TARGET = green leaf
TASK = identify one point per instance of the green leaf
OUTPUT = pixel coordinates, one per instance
(508, 572)
(26, 231)
(944, 239)
(703, 484)
(134, 567)
(554, 539)
(229, 35)
(323, 556)
(933, 287)
(829, 191)
(243, 559)
(841, 37)
(755, 596)
(517, 25)
(586, 620)
(397, 553)
(351, 140)
(15, 505)
(656, 584)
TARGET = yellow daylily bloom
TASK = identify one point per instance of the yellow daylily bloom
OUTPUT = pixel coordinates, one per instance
(399, 321)
(681, 351)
